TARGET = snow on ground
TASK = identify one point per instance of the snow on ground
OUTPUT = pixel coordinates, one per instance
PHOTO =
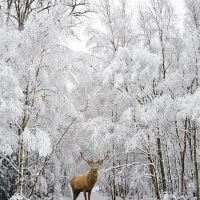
(95, 195)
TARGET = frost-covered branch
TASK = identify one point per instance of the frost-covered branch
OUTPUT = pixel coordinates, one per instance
(128, 165)
(12, 164)
(47, 158)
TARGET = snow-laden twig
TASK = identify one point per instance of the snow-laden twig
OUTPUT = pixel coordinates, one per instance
(128, 165)
(47, 158)
(12, 164)
(178, 127)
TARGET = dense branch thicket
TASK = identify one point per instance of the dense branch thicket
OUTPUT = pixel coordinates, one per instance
(136, 95)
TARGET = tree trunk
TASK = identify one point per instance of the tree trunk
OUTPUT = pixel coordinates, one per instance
(21, 146)
(153, 176)
(9, 4)
(164, 185)
(113, 183)
(170, 187)
(183, 159)
(177, 181)
(125, 180)
(163, 63)
(21, 155)
(195, 162)
(25, 121)
(163, 54)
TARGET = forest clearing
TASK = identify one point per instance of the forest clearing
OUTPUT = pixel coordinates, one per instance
(123, 115)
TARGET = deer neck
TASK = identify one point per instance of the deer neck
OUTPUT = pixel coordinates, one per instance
(92, 176)
(93, 173)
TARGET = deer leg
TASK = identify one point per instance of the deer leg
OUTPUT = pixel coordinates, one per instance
(76, 193)
(85, 195)
(89, 193)
(74, 196)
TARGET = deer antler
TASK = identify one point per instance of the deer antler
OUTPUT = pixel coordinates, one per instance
(89, 162)
(104, 157)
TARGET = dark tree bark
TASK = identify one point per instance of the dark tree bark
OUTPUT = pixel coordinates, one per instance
(183, 159)
(164, 184)
(153, 176)
(195, 161)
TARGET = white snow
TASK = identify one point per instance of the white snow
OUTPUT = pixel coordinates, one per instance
(18, 197)
(94, 195)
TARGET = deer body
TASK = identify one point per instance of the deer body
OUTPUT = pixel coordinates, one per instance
(85, 183)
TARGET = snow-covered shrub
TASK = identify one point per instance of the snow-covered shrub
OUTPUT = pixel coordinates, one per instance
(18, 197)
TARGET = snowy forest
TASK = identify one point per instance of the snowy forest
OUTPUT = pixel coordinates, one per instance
(135, 95)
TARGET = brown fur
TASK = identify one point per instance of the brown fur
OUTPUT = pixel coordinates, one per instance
(84, 183)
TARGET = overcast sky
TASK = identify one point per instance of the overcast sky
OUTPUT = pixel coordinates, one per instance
(179, 10)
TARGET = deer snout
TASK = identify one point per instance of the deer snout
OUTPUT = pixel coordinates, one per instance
(95, 167)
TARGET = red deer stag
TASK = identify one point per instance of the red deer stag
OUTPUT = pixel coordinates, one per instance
(85, 183)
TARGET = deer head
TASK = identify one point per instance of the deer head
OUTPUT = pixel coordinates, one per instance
(95, 165)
